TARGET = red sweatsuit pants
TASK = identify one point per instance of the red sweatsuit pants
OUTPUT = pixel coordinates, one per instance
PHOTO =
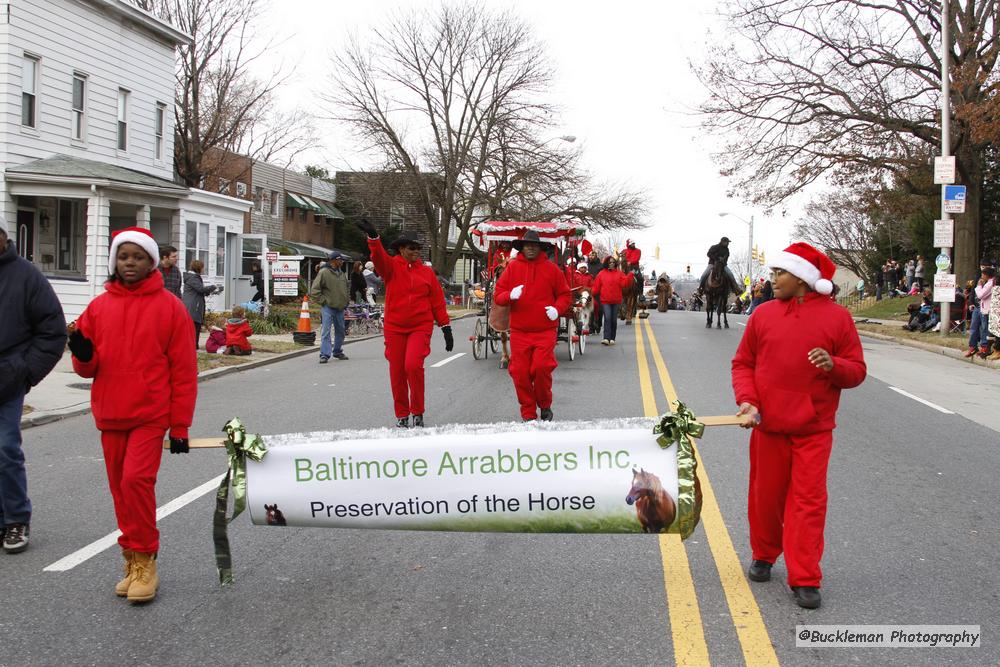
(787, 501)
(532, 360)
(405, 353)
(132, 459)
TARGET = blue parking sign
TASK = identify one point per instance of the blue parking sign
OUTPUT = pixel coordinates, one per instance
(954, 198)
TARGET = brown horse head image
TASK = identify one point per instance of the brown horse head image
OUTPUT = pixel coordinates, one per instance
(274, 516)
(654, 507)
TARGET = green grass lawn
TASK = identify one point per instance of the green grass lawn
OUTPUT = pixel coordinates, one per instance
(955, 341)
(888, 309)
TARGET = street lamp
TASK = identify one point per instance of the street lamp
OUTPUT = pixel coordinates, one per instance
(750, 244)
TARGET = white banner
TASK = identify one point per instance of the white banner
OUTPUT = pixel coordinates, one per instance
(602, 477)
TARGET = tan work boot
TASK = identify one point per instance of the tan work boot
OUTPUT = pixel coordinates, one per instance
(121, 588)
(144, 578)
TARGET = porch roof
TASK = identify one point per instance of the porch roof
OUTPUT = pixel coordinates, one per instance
(74, 170)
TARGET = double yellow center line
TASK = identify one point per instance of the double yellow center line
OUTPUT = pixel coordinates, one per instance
(686, 626)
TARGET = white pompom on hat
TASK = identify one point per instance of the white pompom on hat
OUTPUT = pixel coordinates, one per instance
(809, 264)
(138, 235)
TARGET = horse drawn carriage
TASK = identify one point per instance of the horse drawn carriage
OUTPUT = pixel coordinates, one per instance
(492, 326)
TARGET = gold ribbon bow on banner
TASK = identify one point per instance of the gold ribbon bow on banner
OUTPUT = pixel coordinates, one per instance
(677, 428)
(239, 447)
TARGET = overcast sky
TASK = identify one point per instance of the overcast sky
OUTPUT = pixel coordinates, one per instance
(623, 80)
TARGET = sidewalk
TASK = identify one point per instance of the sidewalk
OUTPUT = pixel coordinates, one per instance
(929, 345)
(63, 393)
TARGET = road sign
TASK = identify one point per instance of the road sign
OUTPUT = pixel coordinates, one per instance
(272, 257)
(942, 262)
(944, 233)
(944, 287)
(944, 170)
(954, 198)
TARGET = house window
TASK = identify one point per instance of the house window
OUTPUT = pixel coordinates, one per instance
(258, 198)
(220, 251)
(241, 189)
(275, 202)
(122, 119)
(29, 86)
(158, 122)
(196, 242)
(223, 186)
(79, 115)
(69, 237)
(396, 218)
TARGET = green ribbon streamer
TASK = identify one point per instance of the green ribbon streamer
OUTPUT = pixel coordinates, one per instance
(239, 447)
(678, 428)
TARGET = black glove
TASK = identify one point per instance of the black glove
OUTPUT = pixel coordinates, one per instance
(179, 445)
(367, 227)
(449, 340)
(81, 347)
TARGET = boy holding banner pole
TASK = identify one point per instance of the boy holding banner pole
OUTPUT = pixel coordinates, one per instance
(798, 352)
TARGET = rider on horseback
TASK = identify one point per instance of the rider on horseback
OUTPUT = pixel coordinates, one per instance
(718, 252)
(631, 255)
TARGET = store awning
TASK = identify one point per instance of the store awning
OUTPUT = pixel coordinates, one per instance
(330, 211)
(293, 200)
(311, 204)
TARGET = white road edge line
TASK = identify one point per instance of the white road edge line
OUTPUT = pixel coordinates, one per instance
(109, 540)
(742, 324)
(451, 358)
(920, 400)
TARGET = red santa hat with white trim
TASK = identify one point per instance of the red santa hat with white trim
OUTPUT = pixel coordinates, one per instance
(809, 264)
(138, 235)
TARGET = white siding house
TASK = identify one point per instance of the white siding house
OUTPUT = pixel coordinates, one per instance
(86, 141)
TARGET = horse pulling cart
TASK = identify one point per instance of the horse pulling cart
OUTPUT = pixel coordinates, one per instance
(492, 325)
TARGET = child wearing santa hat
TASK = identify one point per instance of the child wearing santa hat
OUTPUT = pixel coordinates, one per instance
(135, 341)
(798, 352)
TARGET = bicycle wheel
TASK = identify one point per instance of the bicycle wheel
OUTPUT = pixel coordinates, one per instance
(570, 332)
(479, 340)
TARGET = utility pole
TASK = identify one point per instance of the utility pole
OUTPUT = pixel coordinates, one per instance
(750, 261)
(945, 137)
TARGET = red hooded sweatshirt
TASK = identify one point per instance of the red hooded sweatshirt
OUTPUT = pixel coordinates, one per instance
(608, 286)
(413, 296)
(544, 285)
(632, 255)
(237, 332)
(583, 280)
(144, 367)
(771, 369)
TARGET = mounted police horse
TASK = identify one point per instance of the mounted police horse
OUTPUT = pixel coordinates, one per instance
(717, 289)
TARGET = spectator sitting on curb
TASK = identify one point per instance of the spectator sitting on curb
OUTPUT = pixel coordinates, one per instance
(237, 332)
(923, 316)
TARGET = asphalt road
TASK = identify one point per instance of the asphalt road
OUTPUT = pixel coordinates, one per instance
(910, 532)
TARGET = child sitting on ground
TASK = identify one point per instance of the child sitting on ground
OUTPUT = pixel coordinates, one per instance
(237, 332)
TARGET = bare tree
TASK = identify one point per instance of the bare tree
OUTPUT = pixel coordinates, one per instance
(441, 92)
(850, 89)
(221, 106)
(845, 230)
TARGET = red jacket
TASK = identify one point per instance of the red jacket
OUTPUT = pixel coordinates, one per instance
(632, 255)
(771, 369)
(544, 285)
(609, 284)
(583, 280)
(145, 368)
(414, 299)
(237, 332)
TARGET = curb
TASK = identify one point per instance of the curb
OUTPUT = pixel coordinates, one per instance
(958, 355)
(32, 419)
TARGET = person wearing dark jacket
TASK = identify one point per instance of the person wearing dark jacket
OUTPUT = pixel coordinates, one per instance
(168, 269)
(32, 339)
(194, 297)
(718, 252)
(257, 281)
(359, 286)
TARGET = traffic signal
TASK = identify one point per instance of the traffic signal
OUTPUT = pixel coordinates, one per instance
(753, 253)
(762, 258)
(688, 269)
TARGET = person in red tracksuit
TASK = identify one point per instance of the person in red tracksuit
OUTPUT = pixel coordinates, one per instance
(537, 293)
(798, 352)
(631, 255)
(608, 288)
(135, 341)
(414, 300)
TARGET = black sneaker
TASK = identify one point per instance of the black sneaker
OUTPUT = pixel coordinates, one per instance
(545, 415)
(760, 570)
(403, 422)
(323, 360)
(341, 356)
(418, 421)
(15, 538)
(806, 597)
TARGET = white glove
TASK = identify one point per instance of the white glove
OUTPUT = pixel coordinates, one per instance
(552, 312)
(515, 293)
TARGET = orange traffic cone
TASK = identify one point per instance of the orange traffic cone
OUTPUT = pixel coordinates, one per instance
(304, 335)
